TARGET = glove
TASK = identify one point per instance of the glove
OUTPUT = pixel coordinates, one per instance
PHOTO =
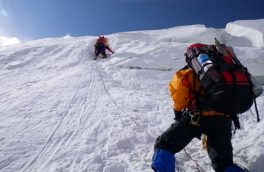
(186, 118)
(178, 115)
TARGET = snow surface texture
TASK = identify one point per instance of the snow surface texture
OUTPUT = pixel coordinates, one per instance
(62, 111)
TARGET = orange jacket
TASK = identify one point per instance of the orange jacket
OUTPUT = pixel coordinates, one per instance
(182, 88)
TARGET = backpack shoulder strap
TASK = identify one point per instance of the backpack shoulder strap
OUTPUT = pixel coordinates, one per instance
(185, 67)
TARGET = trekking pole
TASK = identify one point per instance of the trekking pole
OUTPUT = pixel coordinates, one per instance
(254, 100)
(256, 108)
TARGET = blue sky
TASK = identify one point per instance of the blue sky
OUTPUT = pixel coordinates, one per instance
(34, 19)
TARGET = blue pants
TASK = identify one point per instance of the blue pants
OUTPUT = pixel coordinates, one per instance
(163, 161)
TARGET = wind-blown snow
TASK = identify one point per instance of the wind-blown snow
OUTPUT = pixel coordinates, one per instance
(63, 111)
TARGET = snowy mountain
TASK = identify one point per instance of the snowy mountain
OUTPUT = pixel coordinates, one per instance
(62, 111)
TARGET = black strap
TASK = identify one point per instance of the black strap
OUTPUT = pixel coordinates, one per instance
(254, 100)
(235, 120)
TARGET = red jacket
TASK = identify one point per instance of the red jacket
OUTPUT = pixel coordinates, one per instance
(103, 40)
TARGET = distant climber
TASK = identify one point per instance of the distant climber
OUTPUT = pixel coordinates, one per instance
(100, 46)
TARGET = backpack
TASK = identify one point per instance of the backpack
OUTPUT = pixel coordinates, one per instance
(225, 81)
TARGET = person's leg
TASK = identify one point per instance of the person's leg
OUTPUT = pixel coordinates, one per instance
(235, 168)
(97, 50)
(103, 53)
(173, 140)
(177, 136)
(97, 53)
(219, 146)
(163, 161)
(100, 49)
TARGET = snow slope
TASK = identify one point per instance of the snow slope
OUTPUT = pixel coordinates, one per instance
(62, 111)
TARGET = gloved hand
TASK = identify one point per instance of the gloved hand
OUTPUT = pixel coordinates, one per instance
(186, 118)
(178, 115)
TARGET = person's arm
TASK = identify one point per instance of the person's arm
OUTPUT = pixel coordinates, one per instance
(109, 49)
(179, 88)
